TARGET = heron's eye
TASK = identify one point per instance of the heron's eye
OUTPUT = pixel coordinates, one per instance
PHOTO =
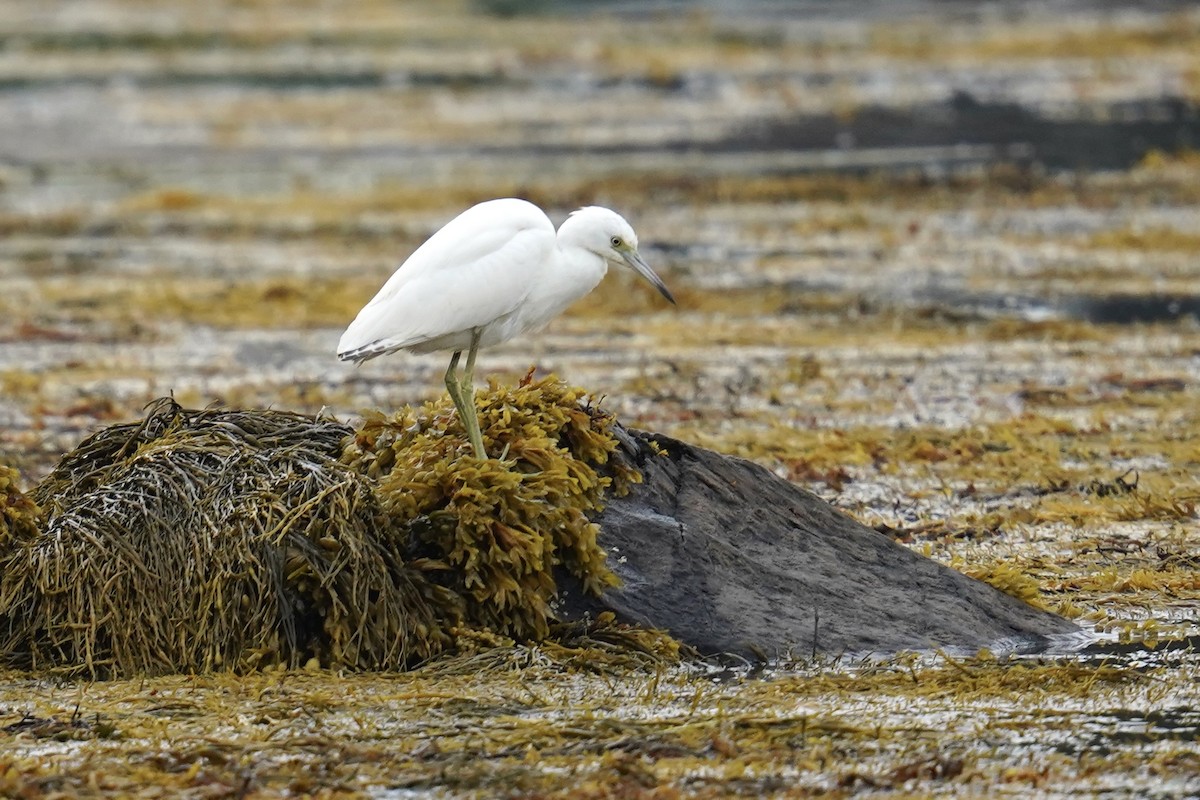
(615, 241)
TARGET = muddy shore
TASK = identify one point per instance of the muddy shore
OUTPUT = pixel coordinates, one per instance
(935, 262)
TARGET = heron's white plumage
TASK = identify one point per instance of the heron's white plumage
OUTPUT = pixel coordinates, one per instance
(458, 280)
(498, 269)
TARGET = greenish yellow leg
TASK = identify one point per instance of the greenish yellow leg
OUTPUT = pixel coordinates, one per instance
(452, 382)
(468, 394)
(454, 388)
(469, 370)
(464, 396)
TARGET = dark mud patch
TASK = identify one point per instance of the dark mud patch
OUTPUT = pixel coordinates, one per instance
(1101, 309)
(1112, 137)
(1127, 309)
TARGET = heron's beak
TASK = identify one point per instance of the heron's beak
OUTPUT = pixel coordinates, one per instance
(640, 266)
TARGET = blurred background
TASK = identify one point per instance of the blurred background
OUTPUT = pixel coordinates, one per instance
(884, 214)
(936, 260)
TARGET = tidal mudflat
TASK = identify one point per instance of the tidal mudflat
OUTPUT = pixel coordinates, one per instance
(936, 263)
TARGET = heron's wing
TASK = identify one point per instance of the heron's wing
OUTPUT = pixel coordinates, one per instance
(473, 271)
(480, 231)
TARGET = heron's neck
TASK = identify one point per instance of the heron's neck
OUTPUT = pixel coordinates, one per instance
(576, 272)
(573, 273)
(581, 268)
(578, 266)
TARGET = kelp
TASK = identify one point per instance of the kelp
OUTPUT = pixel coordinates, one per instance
(199, 540)
(494, 530)
(1008, 578)
(19, 514)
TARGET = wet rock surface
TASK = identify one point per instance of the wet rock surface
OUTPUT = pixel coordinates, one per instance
(730, 558)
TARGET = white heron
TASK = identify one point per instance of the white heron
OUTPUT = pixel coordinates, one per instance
(496, 270)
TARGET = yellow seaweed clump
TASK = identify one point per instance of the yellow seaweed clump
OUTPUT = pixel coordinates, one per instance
(1008, 578)
(18, 513)
(495, 530)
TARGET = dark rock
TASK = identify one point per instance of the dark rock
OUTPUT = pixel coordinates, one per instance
(730, 558)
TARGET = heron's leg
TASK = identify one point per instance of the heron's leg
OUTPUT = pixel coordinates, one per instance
(455, 390)
(464, 401)
(467, 388)
(469, 370)
(452, 381)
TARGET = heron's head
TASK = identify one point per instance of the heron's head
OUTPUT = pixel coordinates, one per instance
(608, 235)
